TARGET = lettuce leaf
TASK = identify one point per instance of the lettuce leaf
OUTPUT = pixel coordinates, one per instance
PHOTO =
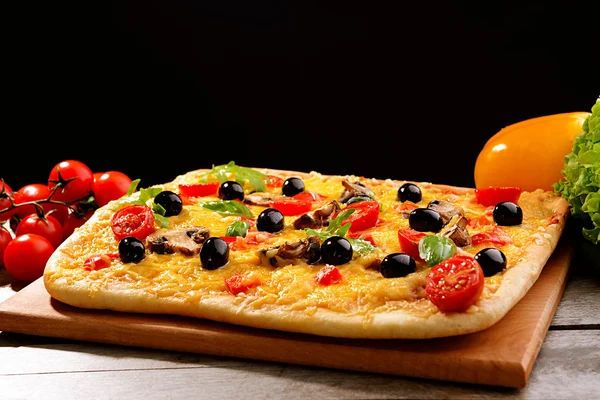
(580, 185)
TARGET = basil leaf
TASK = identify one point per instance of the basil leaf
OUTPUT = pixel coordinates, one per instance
(158, 209)
(336, 228)
(361, 246)
(238, 228)
(162, 220)
(335, 223)
(435, 249)
(242, 175)
(133, 186)
(227, 207)
(356, 199)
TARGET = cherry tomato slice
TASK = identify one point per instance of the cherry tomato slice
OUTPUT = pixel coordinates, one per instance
(308, 196)
(455, 284)
(291, 206)
(496, 235)
(99, 261)
(409, 242)
(329, 275)
(200, 189)
(493, 195)
(237, 283)
(273, 181)
(134, 220)
(365, 215)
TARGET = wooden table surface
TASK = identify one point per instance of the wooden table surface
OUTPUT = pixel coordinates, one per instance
(568, 366)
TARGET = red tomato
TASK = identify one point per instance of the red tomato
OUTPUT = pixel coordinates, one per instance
(75, 178)
(229, 239)
(308, 196)
(134, 220)
(367, 236)
(25, 256)
(74, 221)
(200, 189)
(328, 275)
(5, 239)
(291, 206)
(110, 185)
(496, 235)
(409, 242)
(237, 283)
(274, 181)
(99, 261)
(5, 192)
(493, 195)
(364, 217)
(455, 284)
(48, 227)
(29, 193)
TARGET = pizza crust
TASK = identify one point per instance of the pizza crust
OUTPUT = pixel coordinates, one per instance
(401, 324)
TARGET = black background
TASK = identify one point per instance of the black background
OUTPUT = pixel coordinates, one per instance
(157, 88)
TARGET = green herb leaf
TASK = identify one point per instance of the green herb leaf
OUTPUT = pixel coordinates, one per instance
(356, 199)
(435, 249)
(238, 228)
(133, 186)
(361, 246)
(241, 175)
(227, 207)
(163, 221)
(335, 223)
(336, 228)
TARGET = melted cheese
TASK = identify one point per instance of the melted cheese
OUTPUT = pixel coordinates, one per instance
(362, 290)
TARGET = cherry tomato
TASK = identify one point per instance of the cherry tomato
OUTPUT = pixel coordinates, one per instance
(99, 261)
(364, 216)
(48, 227)
(134, 220)
(237, 283)
(329, 275)
(25, 256)
(5, 239)
(39, 193)
(491, 196)
(5, 192)
(200, 189)
(291, 206)
(74, 221)
(110, 185)
(529, 154)
(455, 284)
(273, 181)
(409, 242)
(78, 179)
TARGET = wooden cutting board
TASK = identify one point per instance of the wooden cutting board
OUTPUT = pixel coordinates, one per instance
(501, 355)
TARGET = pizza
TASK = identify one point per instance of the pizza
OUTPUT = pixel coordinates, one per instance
(331, 255)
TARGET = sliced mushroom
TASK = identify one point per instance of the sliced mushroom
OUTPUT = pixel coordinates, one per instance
(317, 218)
(187, 241)
(446, 209)
(307, 250)
(456, 230)
(259, 199)
(354, 189)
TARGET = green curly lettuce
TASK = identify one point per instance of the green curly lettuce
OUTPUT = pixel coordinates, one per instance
(580, 185)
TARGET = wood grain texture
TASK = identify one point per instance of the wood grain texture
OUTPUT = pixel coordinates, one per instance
(502, 355)
(580, 303)
(568, 367)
